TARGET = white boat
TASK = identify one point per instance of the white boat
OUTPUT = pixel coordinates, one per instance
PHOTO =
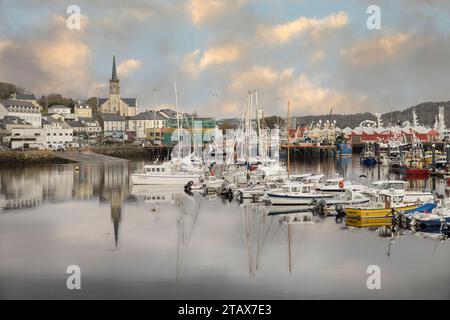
(255, 190)
(176, 172)
(398, 188)
(296, 193)
(211, 182)
(338, 184)
(273, 172)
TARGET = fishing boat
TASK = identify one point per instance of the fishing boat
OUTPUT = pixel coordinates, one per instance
(397, 188)
(296, 193)
(338, 184)
(438, 218)
(176, 172)
(378, 211)
(368, 158)
(343, 150)
(253, 191)
(211, 182)
(404, 217)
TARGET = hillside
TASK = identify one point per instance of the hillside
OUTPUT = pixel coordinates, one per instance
(426, 114)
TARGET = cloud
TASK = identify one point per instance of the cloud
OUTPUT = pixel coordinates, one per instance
(202, 11)
(307, 97)
(5, 44)
(126, 67)
(195, 62)
(55, 61)
(286, 32)
(377, 50)
(258, 77)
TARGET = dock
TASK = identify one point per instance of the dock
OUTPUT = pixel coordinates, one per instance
(88, 157)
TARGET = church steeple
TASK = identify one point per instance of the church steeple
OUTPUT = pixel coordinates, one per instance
(114, 73)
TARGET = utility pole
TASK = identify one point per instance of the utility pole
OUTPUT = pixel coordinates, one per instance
(215, 95)
(155, 92)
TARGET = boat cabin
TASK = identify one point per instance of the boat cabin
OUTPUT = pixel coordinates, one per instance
(389, 184)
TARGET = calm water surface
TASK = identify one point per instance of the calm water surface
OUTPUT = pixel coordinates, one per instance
(131, 246)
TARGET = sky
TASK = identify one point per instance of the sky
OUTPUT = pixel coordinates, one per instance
(317, 54)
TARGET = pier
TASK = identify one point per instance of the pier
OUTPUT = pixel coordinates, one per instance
(88, 157)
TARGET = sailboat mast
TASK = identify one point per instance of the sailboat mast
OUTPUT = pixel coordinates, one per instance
(288, 147)
(178, 120)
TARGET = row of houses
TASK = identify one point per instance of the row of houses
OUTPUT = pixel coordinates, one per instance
(23, 123)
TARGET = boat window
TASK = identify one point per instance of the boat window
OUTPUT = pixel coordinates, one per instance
(157, 169)
(306, 189)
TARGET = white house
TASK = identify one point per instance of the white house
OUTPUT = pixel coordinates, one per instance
(23, 110)
(64, 111)
(38, 136)
(145, 122)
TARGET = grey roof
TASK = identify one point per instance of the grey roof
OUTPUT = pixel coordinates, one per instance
(148, 115)
(13, 120)
(111, 117)
(76, 124)
(171, 113)
(25, 96)
(52, 120)
(25, 106)
(86, 119)
(102, 101)
(132, 102)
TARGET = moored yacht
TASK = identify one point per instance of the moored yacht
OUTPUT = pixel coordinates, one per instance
(177, 172)
(296, 193)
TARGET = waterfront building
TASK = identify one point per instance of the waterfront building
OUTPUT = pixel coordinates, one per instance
(202, 127)
(148, 124)
(113, 125)
(92, 125)
(126, 107)
(77, 126)
(21, 109)
(39, 137)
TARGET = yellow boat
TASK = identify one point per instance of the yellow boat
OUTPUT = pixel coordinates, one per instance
(368, 213)
(369, 222)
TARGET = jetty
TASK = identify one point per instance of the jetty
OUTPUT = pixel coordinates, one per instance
(88, 157)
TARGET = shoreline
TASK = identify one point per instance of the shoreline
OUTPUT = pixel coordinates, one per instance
(10, 158)
(32, 157)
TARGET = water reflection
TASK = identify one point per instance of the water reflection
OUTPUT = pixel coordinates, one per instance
(163, 235)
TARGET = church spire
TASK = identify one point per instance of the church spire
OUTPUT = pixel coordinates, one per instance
(114, 73)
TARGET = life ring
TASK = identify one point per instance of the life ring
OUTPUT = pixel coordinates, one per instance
(341, 184)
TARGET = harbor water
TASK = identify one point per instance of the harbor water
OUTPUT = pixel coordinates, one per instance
(157, 243)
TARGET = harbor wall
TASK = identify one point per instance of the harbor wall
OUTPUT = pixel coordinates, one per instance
(30, 157)
(133, 152)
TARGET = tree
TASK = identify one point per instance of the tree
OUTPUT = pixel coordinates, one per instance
(92, 102)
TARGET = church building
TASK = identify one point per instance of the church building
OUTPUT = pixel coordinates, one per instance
(126, 107)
